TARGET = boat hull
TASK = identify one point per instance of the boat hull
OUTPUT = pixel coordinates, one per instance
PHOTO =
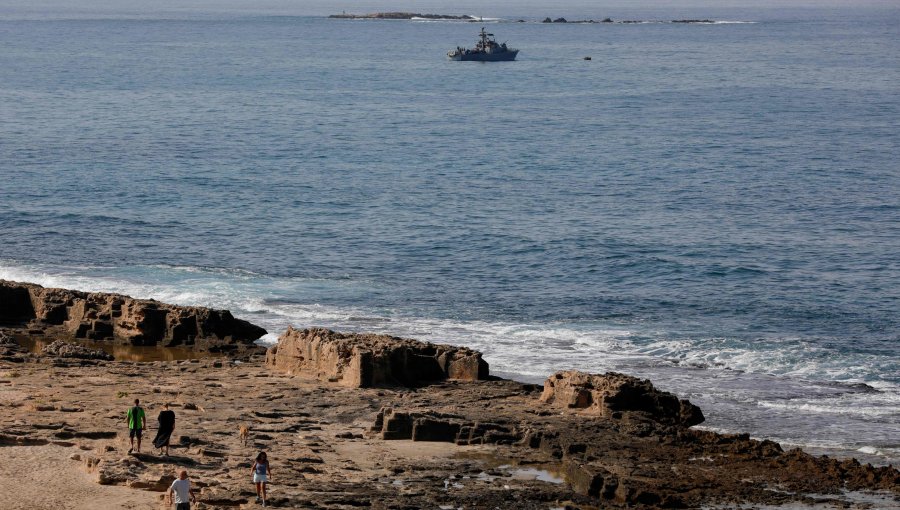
(502, 56)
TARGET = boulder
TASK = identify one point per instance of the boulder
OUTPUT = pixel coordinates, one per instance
(121, 319)
(614, 395)
(63, 349)
(367, 360)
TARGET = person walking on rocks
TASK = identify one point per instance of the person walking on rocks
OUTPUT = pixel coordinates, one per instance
(261, 476)
(166, 421)
(184, 494)
(137, 422)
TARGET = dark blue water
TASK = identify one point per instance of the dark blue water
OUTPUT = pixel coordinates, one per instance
(713, 206)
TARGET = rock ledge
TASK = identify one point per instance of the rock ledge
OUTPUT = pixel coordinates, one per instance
(367, 360)
(121, 319)
(613, 394)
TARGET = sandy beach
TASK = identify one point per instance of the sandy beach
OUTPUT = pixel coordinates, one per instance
(46, 477)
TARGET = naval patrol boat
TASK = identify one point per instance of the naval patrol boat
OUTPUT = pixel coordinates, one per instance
(486, 50)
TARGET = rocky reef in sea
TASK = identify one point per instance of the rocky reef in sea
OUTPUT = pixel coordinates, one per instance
(400, 15)
(404, 15)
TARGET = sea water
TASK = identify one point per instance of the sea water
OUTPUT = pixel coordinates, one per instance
(715, 207)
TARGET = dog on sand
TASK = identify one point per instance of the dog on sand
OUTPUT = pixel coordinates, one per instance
(244, 434)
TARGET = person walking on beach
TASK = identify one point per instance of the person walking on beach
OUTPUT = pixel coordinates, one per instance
(261, 476)
(184, 494)
(166, 421)
(137, 422)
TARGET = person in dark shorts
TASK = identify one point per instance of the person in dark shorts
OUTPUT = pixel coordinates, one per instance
(184, 494)
(137, 422)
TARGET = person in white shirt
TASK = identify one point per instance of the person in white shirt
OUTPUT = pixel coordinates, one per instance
(184, 495)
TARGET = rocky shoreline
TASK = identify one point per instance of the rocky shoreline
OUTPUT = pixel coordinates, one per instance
(371, 421)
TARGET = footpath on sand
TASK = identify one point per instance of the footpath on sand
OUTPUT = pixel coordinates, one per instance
(33, 477)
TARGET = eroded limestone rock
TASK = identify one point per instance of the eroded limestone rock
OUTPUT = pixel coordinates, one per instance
(125, 320)
(367, 360)
(613, 394)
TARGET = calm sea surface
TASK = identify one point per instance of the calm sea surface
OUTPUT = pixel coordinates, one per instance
(713, 206)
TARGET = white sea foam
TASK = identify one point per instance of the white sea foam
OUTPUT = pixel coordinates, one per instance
(476, 19)
(842, 406)
(268, 340)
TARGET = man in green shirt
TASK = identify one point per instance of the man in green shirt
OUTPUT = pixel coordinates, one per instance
(137, 421)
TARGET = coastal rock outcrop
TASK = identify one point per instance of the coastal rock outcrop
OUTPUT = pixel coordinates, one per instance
(367, 360)
(121, 319)
(614, 394)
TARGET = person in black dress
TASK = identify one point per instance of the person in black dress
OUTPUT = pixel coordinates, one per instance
(166, 427)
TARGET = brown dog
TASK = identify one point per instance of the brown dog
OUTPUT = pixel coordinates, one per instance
(244, 434)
